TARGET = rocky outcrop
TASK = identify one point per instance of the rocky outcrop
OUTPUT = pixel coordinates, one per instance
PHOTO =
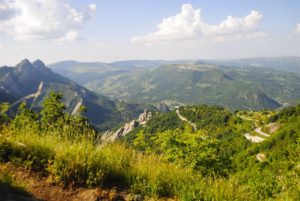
(144, 117)
(110, 136)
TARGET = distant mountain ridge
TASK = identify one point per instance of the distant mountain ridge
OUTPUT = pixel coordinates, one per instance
(192, 82)
(285, 64)
(25, 78)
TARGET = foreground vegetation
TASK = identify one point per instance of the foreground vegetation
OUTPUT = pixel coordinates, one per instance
(218, 147)
(213, 163)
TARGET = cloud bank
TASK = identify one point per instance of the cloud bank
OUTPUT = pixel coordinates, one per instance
(189, 25)
(42, 19)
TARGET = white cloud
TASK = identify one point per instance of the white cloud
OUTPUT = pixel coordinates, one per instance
(1, 46)
(70, 36)
(93, 7)
(42, 19)
(298, 28)
(233, 25)
(189, 25)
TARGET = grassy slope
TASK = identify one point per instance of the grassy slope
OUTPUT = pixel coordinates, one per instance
(83, 163)
(277, 178)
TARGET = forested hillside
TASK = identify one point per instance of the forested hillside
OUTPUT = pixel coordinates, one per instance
(191, 153)
(190, 82)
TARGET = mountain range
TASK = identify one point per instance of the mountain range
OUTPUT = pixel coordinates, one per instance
(189, 153)
(118, 92)
(254, 83)
(285, 64)
(33, 82)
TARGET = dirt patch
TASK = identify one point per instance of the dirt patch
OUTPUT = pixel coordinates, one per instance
(40, 189)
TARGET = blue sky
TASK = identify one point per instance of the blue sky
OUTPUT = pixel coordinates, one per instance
(108, 30)
(142, 16)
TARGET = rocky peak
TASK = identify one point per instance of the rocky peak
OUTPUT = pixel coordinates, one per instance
(39, 64)
(24, 65)
(24, 62)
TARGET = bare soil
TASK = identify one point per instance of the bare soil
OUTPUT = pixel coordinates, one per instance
(39, 188)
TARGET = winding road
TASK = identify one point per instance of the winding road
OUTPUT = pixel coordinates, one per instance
(253, 138)
(259, 131)
(185, 119)
(256, 139)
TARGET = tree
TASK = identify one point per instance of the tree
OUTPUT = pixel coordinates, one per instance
(53, 112)
(187, 148)
(77, 126)
(25, 119)
(4, 107)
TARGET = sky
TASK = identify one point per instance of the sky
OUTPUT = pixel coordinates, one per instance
(110, 30)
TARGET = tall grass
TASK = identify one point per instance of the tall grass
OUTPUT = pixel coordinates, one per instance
(84, 163)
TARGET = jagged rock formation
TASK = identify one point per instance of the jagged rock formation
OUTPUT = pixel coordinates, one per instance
(110, 136)
(22, 82)
(144, 117)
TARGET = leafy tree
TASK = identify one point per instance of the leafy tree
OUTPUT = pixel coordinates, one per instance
(25, 119)
(186, 148)
(4, 107)
(77, 126)
(53, 112)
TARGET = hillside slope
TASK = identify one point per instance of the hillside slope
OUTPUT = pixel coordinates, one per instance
(269, 168)
(189, 84)
(167, 157)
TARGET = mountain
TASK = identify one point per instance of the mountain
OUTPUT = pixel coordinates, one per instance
(33, 82)
(186, 84)
(6, 97)
(286, 64)
(230, 85)
(84, 72)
